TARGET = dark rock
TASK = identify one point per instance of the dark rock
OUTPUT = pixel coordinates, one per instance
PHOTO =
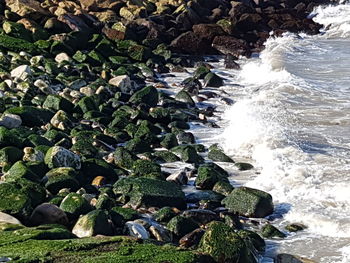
(59, 178)
(187, 153)
(150, 192)
(208, 31)
(181, 226)
(270, 231)
(190, 43)
(208, 177)
(295, 227)
(223, 187)
(185, 138)
(192, 239)
(250, 236)
(164, 214)
(75, 205)
(48, 214)
(200, 72)
(216, 154)
(230, 62)
(200, 216)
(231, 45)
(249, 202)
(287, 258)
(147, 95)
(244, 166)
(191, 85)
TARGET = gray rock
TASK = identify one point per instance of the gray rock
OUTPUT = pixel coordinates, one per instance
(6, 218)
(161, 233)
(178, 177)
(62, 57)
(10, 121)
(123, 83)
(58, 156)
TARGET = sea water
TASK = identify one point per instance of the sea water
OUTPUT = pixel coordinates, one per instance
(291, 117)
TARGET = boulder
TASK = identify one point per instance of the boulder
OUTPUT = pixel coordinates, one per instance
(9, 155)
(216, 154)
(59, 178)
(249, 202)
(147, 95)
(224, 245)
(208, 31)
(288, 258)
(190, 43)
(21, 72)
(92, 224)
(6, 218)
(150, 192)
(187, 153)
(31, 116)
(48, 214)
(10, 121)
(164, 214)
(137, 230)
(181, 226)
(124, 158)
(75, 205)
(58, 156)
(270, 231)
(207, 177)
(20, 170)
(231, 45)
(27, 8)
(213, 80)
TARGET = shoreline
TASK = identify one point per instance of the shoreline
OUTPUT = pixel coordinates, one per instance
(84, 136)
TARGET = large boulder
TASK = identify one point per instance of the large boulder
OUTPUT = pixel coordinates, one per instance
(222, 243)
(190, 43)
(150, 192)
(249, 202)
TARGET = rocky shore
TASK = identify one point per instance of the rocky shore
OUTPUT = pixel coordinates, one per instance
(87, 126)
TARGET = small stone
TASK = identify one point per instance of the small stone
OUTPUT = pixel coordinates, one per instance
(10, 121)
(48, 214)
(22, 72)
(295, 227)
(62, 57)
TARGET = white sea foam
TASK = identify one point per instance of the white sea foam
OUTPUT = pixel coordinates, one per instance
(292, 122)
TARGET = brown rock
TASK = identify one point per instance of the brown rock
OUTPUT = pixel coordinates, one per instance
(249, 22)
(190, 43)
(287, 258)
(113, 34)
(75, 23)
(27, 8)
(48, 214)
(231, 45)
(208, 31)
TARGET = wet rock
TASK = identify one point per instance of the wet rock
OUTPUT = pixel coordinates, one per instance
(295, 227)
(213, 80)
(190, 43)
(252, 237)
(181, 226)
(185, 138)
(92, 224)
(137, 230)
(223, 187)
(178, 178)
(123, 83)
(208, 176)
(48, 214)
(192, 239)
(204, 195)
(10, 121)
(200, 216)
(169, 141)
(223, 244)
(231, 45)
(191, 85)
(165, 156)
(75, 205)
(230, 62)
(216, 154)
(200, 72)
(147, 95)
(161, 233)
(185, 97)
(187, 154)
(60, 178)
(249, 202)
(270, 231)
(287, 258)
(58, 156)
(150, 192)
(244, 166)
(164, 214)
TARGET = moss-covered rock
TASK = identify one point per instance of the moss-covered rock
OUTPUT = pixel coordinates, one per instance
(128, 214)
(223, 187)
(187, 153)
(244, 166)
(91, 168)
(17, 45)
(213, 80)
(169, 141)
(137, 145)
(146, 167)
(249, 202)
(93, 223)
(32, 116)
(224, 245)
(147, 95)
(201, 72)
(59, 178)
(165, 156)
(181, 226)
(217, 155)
(164, 214)
(270, 231)
(150, 192)
(208, 177)
(75, 205)
(254, 239)
(58, 156)
(20, 170)
(124, 158)
(9, 138)
(185, 97)
(295, 227)
(10, 155)
(55, 102)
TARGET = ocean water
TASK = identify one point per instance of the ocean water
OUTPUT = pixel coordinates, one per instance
(291, 118)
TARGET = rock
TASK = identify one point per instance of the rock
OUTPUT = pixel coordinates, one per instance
(21, 72)
(75, 205)
(249, 202)
(213, 80)
(127, 214)
(150, 192)
(187, 153)
(123, 83)
(224, 245)
(62, 57)
(92, 224)
(287, 258)
(6, 218)
(181, 226)
(185, 97)
(165, 156)
(48, 214)
(31, 116)
(191, 85)
(223, 187)
(9, 155)
(178, 178)
(161, 233)
(208, 31)
(10, 121)
(27, 8)
(270, 231)
(244, 166)
(9, 138)
(230, 62)
(105, 202)
(231, 45)
(190, 43)
(200, 216)
(145, 167)
(59, 178)
(217, 155)
(295, 227)
(164, 214)
(124, 158)
(200, 72)
(56, 103)
(208, 177)
(169, 141)
(185, 138)
(204, 195)
(192, 239)
(20, 170)
(58, 156)
(147, 95)
(137, 230)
